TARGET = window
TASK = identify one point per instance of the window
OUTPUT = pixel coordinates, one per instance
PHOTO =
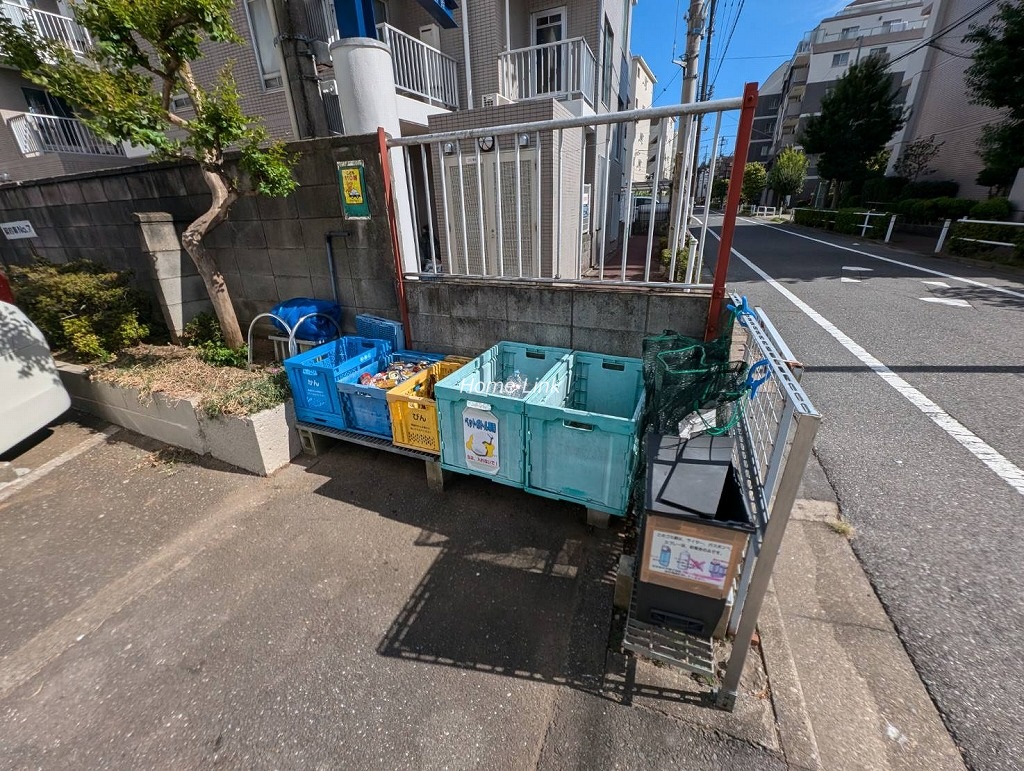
(42, 102)
(606, 63)
(849, 33)
(880, 51)
(380, 12)
(180, 102)
(764, 150)
(841, 60)
(263, 42)
(893, 25)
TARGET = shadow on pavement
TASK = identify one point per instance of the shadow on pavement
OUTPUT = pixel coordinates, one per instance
(520, 586)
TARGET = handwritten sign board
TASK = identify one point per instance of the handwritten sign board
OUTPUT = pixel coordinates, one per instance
(20, 229)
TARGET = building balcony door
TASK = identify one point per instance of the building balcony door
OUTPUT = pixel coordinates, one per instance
(548, 31)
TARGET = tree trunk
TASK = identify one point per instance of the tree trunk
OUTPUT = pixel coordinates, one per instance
(192, 242)
(837, 186)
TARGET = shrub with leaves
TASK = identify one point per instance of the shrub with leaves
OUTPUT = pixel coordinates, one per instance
(203, 333)
(82, 306)
(992, 209)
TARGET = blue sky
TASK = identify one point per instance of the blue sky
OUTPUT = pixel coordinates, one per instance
(768, 31)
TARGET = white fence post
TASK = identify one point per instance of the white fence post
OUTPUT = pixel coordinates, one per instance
(888, 233)
(942, 235)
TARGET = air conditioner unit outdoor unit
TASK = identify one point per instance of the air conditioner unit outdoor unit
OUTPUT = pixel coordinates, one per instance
(493, 100)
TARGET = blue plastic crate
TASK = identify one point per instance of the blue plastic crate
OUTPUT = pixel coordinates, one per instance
(381, 329)
(366, 406)
(482, 427)
(582, 424)
(313, 375)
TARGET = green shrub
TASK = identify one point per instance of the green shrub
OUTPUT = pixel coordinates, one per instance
(992, 209)
(203, 333)
(250, 397)
(931, 188)
(814, 218)
(82, 306)
(1004, 233)
(952, 208)
(851, 221)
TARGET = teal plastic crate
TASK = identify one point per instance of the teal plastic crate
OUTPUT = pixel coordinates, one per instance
(582, 424)
(313, 376)
(365, 406)
(482, 427)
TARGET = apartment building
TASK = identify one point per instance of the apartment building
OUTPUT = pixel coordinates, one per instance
(638, 135)
(942, 105)
(895, 28)
(766, 116)
(668, 152)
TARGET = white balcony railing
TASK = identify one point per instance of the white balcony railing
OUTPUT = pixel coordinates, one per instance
(856, 33)
(51, 26)
(563, 70)
(421, 70)
(38, 134)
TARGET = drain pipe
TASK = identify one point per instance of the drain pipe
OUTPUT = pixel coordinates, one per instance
(330, 258)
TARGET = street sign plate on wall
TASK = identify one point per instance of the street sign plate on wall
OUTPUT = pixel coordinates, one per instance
(352, 181)
(19, 229)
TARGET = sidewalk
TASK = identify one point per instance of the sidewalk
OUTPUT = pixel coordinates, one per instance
(175, 613)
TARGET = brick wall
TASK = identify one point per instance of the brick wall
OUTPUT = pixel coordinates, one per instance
(268, 250)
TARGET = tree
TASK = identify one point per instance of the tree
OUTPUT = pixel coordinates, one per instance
(140, 57)
(720, 189)
(916, 158)
(858, 117)
(754, 178)
(995, 80)
(788, 173)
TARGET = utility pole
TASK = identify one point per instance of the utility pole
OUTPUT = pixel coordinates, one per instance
(300, 69)
(694, 28)
(704, 95)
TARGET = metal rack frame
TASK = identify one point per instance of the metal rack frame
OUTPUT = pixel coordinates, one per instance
(774, 439)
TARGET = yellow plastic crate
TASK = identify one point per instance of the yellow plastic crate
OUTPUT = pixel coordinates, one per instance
(414, 411)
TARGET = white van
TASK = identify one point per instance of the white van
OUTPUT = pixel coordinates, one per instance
(31, 393)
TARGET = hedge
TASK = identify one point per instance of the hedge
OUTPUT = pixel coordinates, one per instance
(931, 188)
(992, 209)
(842, 221)
(1006, 233)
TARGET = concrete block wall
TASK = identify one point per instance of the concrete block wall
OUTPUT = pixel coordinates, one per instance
(465, 317)
(268, 250)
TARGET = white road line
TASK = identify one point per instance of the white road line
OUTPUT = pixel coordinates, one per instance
(846, 280)
(940, 284)
(946, 301)
(858, 269)
(970, 281)
(1004, 468)
(60, 460)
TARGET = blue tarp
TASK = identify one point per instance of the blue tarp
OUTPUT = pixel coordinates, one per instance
(316, 328)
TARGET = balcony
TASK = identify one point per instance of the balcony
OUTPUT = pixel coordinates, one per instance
(421, 71)
(37, 134)
(566, 69)
(854, 34)
(51, 26)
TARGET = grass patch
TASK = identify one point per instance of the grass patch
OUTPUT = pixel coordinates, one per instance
(180, 373)
(842, 528)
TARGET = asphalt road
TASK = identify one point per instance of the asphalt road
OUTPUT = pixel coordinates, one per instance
(938, 530)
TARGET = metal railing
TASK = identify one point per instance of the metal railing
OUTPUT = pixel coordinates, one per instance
(513, 201)
(566, 69)
(38, 134)
(866, 32)
(421, 70)
(775, 436)
(51, 26)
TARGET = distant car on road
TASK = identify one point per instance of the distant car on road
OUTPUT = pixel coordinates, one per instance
(642, 210)
(33, 395)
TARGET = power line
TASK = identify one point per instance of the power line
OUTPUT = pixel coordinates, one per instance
(670, 82)
(950, 27)
(728, 40)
